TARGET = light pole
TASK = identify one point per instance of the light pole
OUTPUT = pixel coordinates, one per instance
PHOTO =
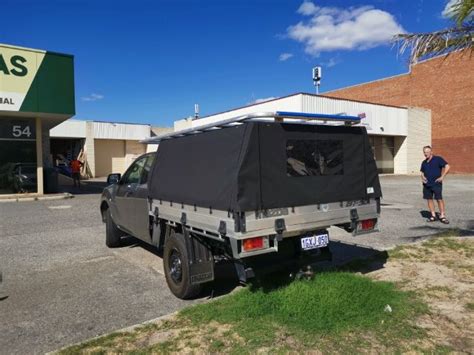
(317, 78)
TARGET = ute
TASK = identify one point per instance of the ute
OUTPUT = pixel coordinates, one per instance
(260, 190)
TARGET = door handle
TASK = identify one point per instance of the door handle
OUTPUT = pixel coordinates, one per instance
(128, 191)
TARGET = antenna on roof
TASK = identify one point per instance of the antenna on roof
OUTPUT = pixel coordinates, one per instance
(317, 77)
(196, 111)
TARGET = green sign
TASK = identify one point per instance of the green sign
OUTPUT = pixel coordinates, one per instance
(36, 81)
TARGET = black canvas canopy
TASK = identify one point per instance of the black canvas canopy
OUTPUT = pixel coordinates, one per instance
(260, 165)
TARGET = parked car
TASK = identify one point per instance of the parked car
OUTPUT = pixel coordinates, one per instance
(259, 190)
(24, 178)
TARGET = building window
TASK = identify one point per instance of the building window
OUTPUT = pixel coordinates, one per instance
(314, 157)
(17, 156)
(384, 153)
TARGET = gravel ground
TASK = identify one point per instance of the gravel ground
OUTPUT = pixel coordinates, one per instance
(62, 285)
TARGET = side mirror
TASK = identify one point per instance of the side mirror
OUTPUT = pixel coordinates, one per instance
(113, 179)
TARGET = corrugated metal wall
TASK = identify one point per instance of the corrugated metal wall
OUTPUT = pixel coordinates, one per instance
(383, 120)
(108, 130)
(290, 103)
(69, 129)
(380, 120)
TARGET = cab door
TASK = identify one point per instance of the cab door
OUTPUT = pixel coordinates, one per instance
(141, 203)
(126, 199)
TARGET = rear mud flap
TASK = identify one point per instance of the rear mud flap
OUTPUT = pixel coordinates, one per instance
(201, 261)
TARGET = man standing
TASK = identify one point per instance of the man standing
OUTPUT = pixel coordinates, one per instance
(433, 170)
(76, 172)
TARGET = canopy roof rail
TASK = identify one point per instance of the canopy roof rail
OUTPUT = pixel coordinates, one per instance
(277, 116)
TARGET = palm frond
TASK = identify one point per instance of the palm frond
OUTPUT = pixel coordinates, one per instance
(426, 45)
(462, 11)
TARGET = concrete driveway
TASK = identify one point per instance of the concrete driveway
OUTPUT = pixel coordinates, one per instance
(62, 285)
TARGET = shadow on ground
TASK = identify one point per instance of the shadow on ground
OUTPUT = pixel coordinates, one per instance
(87, 187)
(345, 257)
(438, 229)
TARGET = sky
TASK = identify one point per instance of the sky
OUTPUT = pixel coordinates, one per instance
(151, 61)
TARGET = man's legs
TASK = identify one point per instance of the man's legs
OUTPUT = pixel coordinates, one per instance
(75, 179)
(431, 207)
(441, 208)
(428, 196)
(438, 192)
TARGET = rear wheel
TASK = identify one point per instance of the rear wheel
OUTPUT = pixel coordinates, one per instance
(112, 233)
(176, 266)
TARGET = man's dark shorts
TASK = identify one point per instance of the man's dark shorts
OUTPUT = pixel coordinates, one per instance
(433, 190)
(76, 176)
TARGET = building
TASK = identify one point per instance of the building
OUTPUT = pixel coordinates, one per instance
(397, 134)
(36, 94)
(444, 85)
(104, 147)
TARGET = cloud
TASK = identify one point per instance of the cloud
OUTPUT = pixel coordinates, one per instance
(93, 97)
(331, 62)
(307, 8)
(285, 56)
(331, 28)
(259, 101)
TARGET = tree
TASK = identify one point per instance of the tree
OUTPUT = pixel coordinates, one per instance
(460, 36)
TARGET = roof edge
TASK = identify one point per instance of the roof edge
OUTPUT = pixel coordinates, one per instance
(42, 51)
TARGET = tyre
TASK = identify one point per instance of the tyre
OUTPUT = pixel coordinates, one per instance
(112, 233)
(176, 266)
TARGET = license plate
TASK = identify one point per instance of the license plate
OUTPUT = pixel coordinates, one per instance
(315, 241)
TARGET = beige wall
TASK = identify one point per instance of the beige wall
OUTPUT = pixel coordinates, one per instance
(109, 156)
(133, 149)
(408, 150)
(90, 148)
(419, 135)
(115, 155)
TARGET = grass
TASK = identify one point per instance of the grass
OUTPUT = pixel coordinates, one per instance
(331, 304)
(336, 312)
(281, 318)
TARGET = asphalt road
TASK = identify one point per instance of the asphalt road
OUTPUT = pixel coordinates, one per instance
(403, 218)
(62, 285)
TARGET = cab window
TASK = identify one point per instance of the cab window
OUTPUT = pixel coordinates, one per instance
(147, 168)
(134, 172)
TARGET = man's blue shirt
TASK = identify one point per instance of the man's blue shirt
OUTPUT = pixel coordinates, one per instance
(432, 169)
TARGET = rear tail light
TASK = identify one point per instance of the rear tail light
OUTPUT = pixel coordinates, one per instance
(253, 244)
(367, 224)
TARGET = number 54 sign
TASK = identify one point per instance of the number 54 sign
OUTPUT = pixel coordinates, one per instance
(17, 129)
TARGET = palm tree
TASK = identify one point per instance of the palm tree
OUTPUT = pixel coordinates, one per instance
(458, 37)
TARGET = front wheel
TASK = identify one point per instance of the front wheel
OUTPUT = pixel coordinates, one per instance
(112, 233)
(176, 266)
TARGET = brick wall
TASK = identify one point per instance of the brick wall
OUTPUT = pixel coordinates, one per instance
(445, 85)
